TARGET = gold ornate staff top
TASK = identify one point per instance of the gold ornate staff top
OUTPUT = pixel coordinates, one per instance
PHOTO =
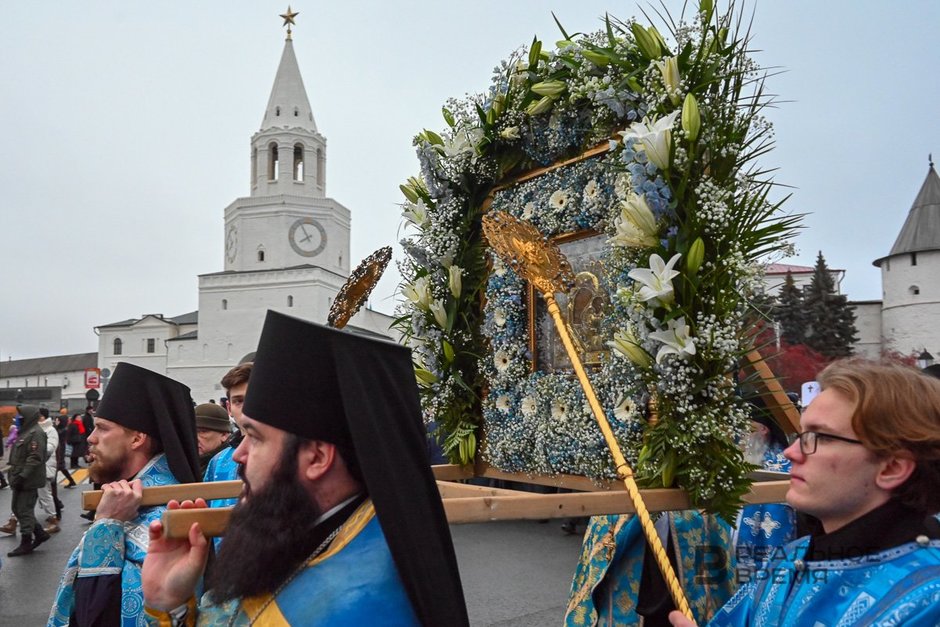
(539, 261)
(289, 19)
(358, 287)
(530, 254)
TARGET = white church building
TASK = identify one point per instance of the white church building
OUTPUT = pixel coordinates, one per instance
(286, 248)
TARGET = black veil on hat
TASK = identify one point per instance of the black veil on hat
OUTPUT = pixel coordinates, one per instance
(143, 400)
(357, 392)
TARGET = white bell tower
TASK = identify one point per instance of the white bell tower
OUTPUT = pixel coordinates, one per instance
(287, 220)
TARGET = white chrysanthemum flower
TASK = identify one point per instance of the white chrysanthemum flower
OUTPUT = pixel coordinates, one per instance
(499, 317)
(625, 409)
(529, 406)
(559, 199)
(528, 211)
(591, 190)
(559, 410)
(501, 360)
(502, 403)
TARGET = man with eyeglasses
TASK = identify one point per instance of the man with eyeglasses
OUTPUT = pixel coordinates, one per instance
(867, 467)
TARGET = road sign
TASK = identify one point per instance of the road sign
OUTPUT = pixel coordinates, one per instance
(92, 378)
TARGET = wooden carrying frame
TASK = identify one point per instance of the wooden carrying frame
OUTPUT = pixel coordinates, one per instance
(469, 503)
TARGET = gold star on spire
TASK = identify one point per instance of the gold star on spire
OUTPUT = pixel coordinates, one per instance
(289, 19)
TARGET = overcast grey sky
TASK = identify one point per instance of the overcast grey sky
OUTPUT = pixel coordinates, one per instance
(126, 130)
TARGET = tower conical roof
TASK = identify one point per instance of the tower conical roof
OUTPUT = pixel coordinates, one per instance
(921, 230)
(288, 105)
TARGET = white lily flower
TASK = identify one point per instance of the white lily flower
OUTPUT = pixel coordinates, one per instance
(636, 225)
(626, 344)
(511, 132)
(457, 145)
(654, 137)
(475, 137)
(463, 141)
(453, 280)
(657, 279)
(416, 213)
(676, 340)
(419, 292)
(669, 68)
(440, 313)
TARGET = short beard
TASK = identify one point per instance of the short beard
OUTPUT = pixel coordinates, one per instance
(268, 536)
(101, 471)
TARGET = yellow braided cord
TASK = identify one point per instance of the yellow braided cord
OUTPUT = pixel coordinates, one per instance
(623, 468)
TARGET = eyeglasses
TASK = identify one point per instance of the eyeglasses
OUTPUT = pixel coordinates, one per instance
(809, 440)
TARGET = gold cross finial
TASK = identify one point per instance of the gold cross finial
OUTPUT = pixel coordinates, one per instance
(289, 19)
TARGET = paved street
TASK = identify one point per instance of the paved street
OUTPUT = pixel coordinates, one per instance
(514, 574)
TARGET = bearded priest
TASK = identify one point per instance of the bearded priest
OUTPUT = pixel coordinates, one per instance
(340, 522)
(144, 435)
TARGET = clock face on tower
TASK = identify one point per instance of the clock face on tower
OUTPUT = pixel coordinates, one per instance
(231, 243)
(307, 237)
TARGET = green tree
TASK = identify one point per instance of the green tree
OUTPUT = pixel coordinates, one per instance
(789, 312)
(829, 320)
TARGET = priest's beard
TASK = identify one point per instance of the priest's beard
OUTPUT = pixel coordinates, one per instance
(106, 470)
(268, 536)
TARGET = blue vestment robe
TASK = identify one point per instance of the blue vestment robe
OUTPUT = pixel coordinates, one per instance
(897, 586)
(607, 579)
(222, 467)
(763, 528)
(111, 549)
(353, 582)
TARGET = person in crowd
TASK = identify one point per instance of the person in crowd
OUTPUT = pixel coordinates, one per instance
(866, 466)
(62, 427)
(341, 522)
(88, 421)
(76, 437)
(222, 467)
(761, 529)
(27, 475)
(213, 430)
(3, 479)
(10, 526)
(144, 435)
(48, 501)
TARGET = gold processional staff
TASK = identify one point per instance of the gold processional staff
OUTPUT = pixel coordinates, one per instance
(538, 260)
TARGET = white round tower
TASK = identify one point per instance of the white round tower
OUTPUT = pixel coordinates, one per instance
(910, 277)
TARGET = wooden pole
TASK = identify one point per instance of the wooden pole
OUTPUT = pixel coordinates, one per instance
(163, 494)
(465, 503)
